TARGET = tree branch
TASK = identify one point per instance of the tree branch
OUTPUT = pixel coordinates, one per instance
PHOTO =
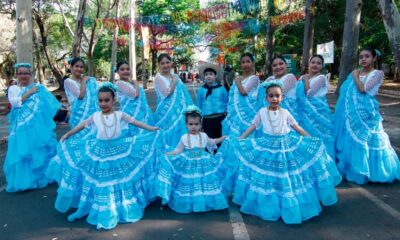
(65, 19)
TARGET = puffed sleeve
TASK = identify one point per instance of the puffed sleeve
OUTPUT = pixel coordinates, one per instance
(319, 83)
(71, 87)
(251, 83)
(290, 119)
(289, 82)
(373, 82)
(162, 86)
(257, 119)
(126, 89)
(13, 96)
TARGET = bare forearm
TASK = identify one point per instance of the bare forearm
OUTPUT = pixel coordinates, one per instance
(241, 88)
(248, 131)
(73, 131)
(82, 90)
(136, 89)
(306, 85)
(219, 140)
(300, 130)
(172, 88)
(359, 84)
(143, 125)
(357, 81)
(25, 96)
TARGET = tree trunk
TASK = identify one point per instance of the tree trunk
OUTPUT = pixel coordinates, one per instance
(132, 39)
(114, 45)
(92, 42)
(153, 51)
(144, 78)
(308, 35)
(38, 58)
(56, 72)
(24, 31)
(76, 47)
(94, 37)
(391, 20)
(350, 40)
(65, 19)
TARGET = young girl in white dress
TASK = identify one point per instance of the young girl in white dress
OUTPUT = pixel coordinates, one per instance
(81, 93)
(242, 104)
(282, 174)
(108, 175)
(131, 97)
(190, 179)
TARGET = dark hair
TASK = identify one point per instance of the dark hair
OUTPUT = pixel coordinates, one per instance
(374, 53)
(119, 64)
(317, 56)
(162, 56)
(11, 81)
(75, 61)
(271, 86)
(193, 114)
(247, 54)
(107, 89)
(209, 70)
(279, 57)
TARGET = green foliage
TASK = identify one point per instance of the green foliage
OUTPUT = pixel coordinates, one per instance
(328, 25)
(59, 38)
(102, 68)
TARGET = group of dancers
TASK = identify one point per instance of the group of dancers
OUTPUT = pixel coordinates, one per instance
(275, 147)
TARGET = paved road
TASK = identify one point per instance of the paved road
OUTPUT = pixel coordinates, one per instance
(371, 211)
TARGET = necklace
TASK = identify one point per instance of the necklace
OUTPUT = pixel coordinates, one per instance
(198, 153)
(273, 127)
(106, 126)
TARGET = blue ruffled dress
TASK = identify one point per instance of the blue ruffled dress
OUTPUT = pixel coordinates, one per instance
(316, 117)
(110, 180)
(82, 109)
(32, 140)
(169, 115)
(241, 111)
(363, 149)
(284, 176)
(137, 108)
(192, 181)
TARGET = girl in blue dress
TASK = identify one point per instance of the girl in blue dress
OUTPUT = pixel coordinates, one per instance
(189, 178)
(363, 149)
(32, 140)
(283, 174)
(81, 93)
(315, 116)
(279, 71)
(131, 97)
(109, 175)
(242, 104)
(172, 99)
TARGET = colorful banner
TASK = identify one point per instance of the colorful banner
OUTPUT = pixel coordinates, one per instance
(327, 50)
(288, 18)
